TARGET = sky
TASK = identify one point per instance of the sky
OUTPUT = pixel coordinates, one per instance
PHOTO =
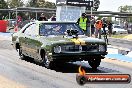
(112, 5)
(109, 5)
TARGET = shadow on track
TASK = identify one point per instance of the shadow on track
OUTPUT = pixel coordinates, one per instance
(72, 67)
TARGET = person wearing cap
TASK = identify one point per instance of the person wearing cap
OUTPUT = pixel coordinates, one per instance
(83, 23)
(42, 18)
(104, 25)
(98, 26)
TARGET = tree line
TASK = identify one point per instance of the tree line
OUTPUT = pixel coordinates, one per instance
(6, 4)
(126, 8)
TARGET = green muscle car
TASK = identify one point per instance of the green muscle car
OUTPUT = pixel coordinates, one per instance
(52, 43)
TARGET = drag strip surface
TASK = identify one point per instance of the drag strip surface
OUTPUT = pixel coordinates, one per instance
(121, 43)
(30, 75)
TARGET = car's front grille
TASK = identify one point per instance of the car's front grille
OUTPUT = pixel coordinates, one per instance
(70, 48)
(79, 48)
(90, 48)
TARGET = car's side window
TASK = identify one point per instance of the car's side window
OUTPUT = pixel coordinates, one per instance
(31, 30)
(42, 29)
(34, 29)
(28, 30)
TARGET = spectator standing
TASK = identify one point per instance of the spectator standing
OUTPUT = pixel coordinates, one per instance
(109, 28)
(104, 25)
(126, 25)
(98, 26)
(83, 23)
(130, 29)
(53, 18)
(42, 17)
(92, 25)
(19, 19)
(88, 25)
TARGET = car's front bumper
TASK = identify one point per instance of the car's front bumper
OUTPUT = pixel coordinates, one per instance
(79, 56)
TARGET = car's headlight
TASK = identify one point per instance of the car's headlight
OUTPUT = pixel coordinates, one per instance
(102, 48)
(57, 49)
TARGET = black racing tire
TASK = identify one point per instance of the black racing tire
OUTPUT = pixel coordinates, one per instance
(94, 63)
(22, 56)
(47, 63)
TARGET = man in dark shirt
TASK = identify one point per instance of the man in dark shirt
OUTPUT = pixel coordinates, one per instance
(104, 25)
(109, 28)
(42, 18)
(53, 18)
(92, 21)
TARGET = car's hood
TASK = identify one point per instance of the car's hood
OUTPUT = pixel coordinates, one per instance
(81, 40)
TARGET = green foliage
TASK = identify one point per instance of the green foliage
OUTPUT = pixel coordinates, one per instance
(3, 4)
(109, 19)
(32, 3)
(99, 17)
(15, 3)
(41, 3)
(126, 8)
(46, 4)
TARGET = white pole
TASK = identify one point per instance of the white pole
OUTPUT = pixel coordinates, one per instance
(9, 15)
(36, 15)
(16, 16)
(90, 20)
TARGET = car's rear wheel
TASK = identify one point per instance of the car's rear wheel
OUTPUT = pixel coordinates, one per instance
(94, 63)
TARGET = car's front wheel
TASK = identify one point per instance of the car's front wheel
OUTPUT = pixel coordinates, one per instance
(94, 63)
(47, 63)
(22, 56)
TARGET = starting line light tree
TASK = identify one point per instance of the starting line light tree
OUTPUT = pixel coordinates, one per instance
(96, 4)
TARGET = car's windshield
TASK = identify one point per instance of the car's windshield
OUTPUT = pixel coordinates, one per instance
(58, 28)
